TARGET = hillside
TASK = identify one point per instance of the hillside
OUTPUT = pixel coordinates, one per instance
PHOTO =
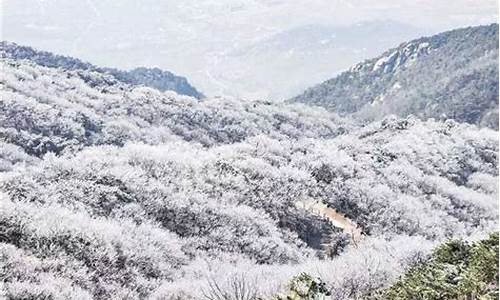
(452, 75)
(150, 77)
(455, 270)
(113, 191)
(49, 110)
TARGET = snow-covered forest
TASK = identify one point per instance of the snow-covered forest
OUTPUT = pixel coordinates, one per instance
(111, 190)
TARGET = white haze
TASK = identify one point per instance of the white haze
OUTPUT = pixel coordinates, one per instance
(233, 47)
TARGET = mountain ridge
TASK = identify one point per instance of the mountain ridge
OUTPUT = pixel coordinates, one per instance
(161, 80)
(449, 75)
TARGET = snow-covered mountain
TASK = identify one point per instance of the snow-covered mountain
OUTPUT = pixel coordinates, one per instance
(110, 190)
(151, 77)
(452, 75)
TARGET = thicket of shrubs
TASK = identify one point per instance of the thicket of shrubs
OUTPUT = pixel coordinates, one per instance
(456, 270)
(116, 192)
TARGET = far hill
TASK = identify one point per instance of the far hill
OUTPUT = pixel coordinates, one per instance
(451, 75)
(151, 77)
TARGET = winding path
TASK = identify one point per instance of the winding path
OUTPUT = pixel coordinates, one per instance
(336, 219)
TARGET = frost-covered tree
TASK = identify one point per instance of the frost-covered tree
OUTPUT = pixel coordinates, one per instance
(110, 191)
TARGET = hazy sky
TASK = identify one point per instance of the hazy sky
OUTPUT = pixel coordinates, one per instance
(180, 35)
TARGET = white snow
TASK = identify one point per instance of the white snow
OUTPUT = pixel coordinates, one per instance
(384, 60)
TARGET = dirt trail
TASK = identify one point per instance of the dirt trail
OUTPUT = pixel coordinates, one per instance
(338, 220)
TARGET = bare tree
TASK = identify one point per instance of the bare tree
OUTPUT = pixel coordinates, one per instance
(237, 287)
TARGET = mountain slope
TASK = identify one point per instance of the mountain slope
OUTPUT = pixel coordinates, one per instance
(151, 77)
(48, 110)
(452, 75)
(111, 191)
(456, 270)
